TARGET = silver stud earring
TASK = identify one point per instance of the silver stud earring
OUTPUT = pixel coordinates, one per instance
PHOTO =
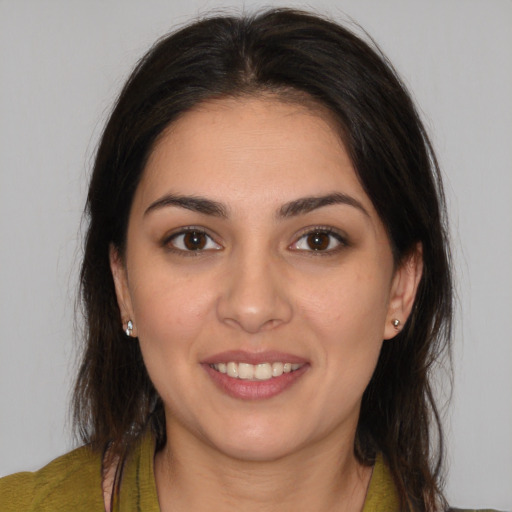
(129, 328)
(396, 323)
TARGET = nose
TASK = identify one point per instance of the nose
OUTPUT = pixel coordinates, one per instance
(254, 294)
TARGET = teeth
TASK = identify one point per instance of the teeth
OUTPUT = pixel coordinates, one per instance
(245, 371)
(262, 371)
(277, 369)
(232, 370)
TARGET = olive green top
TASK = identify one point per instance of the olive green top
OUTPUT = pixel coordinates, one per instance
(74, 482)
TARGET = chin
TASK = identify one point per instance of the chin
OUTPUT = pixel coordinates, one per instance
(256, 444)
(256, 452)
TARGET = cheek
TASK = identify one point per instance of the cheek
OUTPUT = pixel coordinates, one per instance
(171, 316)
(170, 310)
(347, 319)
(352, 303)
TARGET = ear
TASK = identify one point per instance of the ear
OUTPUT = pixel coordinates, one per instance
(403, 291)
(118, 269)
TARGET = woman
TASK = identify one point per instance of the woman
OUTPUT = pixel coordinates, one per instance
(266, 284)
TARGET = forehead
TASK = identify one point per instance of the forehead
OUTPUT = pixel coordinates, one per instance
(251, 149)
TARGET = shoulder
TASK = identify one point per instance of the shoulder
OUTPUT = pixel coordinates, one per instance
(382, 493)
(70, 482)
(471, 510)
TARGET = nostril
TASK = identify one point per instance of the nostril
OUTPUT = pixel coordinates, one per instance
(253, 325)
(252, 296)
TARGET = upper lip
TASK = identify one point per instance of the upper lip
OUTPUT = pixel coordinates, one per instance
(241, 356)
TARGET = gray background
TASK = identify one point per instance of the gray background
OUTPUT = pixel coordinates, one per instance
(62, 64)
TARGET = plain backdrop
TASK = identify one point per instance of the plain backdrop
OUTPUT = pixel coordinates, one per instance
(62, 64)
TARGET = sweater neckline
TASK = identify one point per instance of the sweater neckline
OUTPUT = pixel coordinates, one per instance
(139, 494)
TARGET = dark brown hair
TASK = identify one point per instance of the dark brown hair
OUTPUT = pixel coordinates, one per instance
(289, 54)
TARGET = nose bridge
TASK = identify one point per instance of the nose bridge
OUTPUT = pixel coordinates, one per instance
(253, 295)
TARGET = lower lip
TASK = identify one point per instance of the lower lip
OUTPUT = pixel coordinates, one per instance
(254, 389)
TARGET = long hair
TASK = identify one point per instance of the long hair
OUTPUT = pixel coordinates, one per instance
(293, 55)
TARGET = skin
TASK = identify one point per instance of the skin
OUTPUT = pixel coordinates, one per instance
(258, 285)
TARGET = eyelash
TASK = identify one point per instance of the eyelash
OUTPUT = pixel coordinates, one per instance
(340, 240)
(168, 242)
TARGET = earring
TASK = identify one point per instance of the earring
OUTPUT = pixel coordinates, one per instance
(129, 328)
(396, 323)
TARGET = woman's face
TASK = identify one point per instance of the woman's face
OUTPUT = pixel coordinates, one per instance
(259, 279)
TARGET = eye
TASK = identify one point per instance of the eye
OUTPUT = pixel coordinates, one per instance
(192, 240)
(319, 240)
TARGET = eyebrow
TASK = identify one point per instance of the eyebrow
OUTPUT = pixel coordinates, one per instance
(294, 208)
(308, 204)
(193, 203)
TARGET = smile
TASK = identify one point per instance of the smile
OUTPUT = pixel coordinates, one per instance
(255, 372)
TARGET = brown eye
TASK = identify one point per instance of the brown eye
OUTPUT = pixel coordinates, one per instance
(318, 241)
(193, 241)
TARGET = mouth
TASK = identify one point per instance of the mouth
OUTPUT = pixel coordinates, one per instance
(255, 376)
(255, 372)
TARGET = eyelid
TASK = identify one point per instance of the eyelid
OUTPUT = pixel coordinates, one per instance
(183, 230)
(340, 237)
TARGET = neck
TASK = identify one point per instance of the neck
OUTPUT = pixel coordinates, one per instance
(319, 477)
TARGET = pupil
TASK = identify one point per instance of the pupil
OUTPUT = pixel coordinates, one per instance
(194, 240)
(318, 241)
